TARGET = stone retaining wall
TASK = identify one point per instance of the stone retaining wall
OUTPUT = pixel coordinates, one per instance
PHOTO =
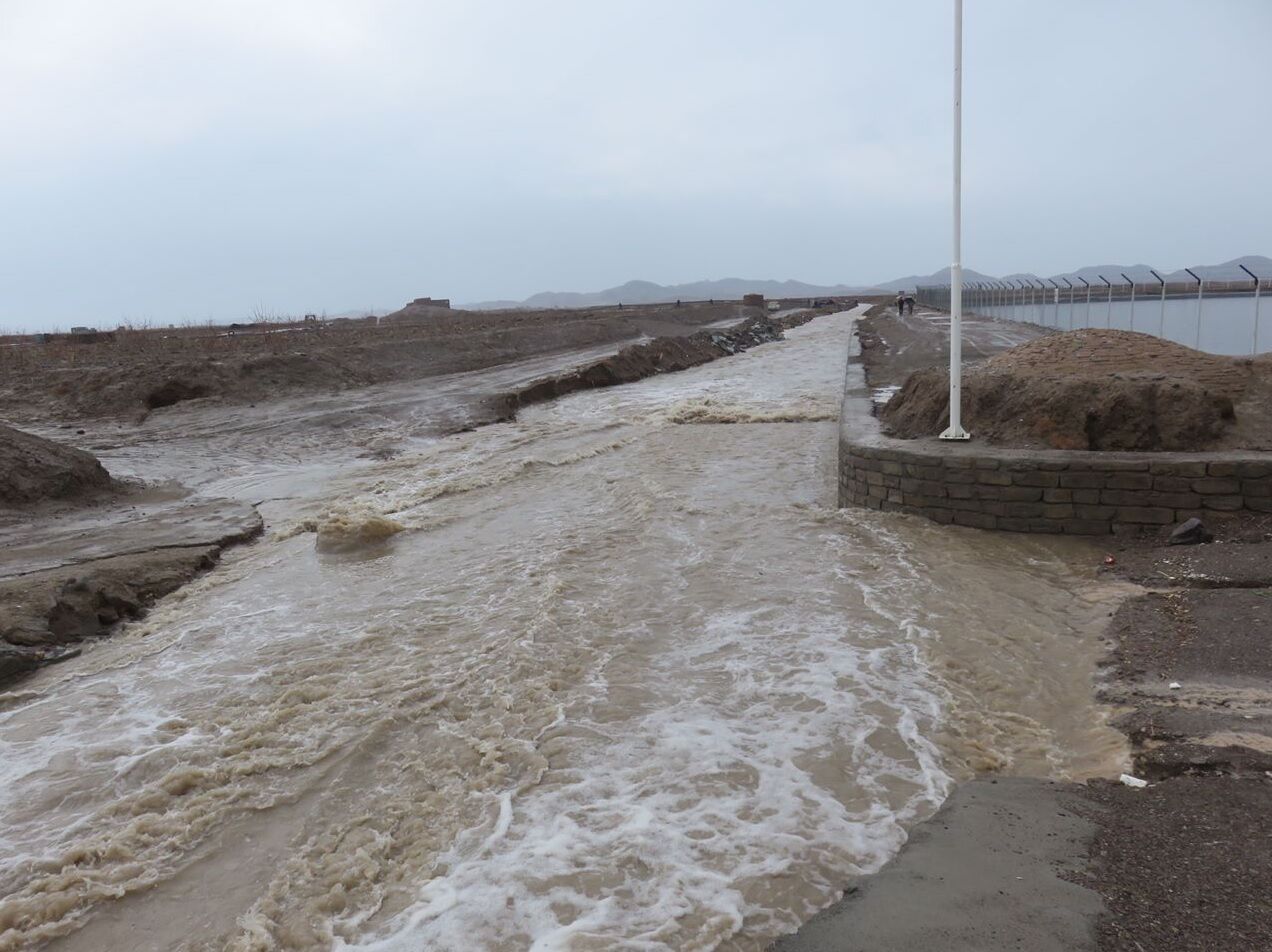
(1058, 491)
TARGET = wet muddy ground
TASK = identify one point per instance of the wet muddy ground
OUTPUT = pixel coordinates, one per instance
(622, 676)
(1179, 865)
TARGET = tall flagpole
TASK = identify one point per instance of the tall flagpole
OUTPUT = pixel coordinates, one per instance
(956, 431)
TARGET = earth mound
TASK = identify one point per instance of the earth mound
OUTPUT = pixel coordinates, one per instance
(33, 469)
(1094, 390)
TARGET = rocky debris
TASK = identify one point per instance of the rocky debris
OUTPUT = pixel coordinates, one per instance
(42, 613)
(33, 469)
(1191, 532)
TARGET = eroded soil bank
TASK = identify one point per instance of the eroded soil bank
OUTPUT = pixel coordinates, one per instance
(85, 551)
(1179, 866)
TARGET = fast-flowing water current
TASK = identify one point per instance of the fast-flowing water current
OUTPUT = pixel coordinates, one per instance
(626, 679)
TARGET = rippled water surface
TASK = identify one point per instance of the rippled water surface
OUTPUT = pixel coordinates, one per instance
(625, 679)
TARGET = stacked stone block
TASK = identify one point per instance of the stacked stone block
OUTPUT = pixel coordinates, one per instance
(1056, 491)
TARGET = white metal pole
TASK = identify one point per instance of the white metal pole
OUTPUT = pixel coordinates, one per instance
(956, 431)
(1132, 305)
(1197, 341)
(1257, 282)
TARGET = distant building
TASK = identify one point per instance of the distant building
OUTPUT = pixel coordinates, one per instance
(431, 302)
(83, 330)
(753, 300)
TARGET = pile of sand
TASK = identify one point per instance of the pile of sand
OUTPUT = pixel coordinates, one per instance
(33, 469)
(1097, 390)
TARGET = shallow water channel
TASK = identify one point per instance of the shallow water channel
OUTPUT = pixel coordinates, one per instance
(627, 680)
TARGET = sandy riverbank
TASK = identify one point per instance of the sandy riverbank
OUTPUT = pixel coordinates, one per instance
(1179, 865)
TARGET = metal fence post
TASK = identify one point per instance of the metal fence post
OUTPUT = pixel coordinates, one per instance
(1086, 319)
(1161, 321)
(1200, 287)
(1071, 289)
(1132, 284)
(1108, 314)
(1055, 299)
(1255, 348)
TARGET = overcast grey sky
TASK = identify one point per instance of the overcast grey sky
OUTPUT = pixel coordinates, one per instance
(174, 161)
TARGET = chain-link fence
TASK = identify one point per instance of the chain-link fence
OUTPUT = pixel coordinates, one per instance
(1220, 317)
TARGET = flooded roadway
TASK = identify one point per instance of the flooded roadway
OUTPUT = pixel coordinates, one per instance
(626, 679)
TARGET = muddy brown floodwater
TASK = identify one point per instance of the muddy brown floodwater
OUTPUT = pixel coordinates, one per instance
(626, 678)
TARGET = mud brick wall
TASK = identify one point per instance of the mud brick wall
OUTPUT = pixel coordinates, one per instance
(1050, 490)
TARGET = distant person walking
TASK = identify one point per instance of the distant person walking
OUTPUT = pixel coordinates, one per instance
(900, 305)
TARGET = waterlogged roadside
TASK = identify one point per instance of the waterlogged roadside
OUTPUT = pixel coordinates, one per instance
(622, 680)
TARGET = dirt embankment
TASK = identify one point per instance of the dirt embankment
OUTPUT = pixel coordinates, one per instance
(44, 610)
(660, 355)
(131, 373)
(34, 470)
(1098, 390)
(43, 614)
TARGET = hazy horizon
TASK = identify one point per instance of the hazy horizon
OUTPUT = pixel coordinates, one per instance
(193, 163)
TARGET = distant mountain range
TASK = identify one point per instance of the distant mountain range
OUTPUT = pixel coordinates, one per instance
(731, 289)
(646, 292)
(1142, 273)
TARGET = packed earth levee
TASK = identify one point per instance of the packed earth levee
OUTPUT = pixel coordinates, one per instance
(86, 551)
(1173, 857)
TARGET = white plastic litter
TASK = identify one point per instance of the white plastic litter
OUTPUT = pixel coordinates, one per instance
(1135, 782)
(1175, 685)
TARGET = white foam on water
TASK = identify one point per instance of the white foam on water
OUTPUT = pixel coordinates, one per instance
(671, 829)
